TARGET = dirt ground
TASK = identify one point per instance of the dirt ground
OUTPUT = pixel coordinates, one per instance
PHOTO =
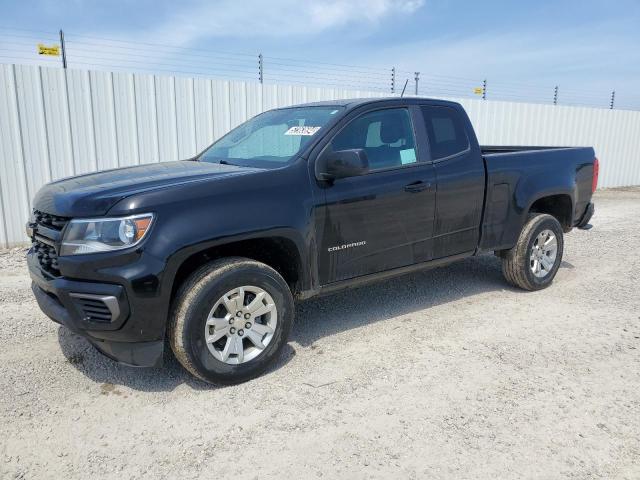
(448, 373)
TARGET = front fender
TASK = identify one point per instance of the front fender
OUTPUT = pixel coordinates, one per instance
(197, 217)
(178, 258)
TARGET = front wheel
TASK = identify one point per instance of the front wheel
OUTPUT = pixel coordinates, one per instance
(534, 261)
(230, 320)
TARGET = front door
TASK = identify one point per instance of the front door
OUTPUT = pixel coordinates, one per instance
(382, 220)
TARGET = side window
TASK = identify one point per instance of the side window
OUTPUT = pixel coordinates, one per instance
(386, 135)
(445, 130)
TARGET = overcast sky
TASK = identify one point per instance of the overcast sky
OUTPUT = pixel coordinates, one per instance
(589, 46)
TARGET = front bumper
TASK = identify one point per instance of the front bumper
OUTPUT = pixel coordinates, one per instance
(100, 312)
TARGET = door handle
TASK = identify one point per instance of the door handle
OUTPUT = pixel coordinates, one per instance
(416, 187)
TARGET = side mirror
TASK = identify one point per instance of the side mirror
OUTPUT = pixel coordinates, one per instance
(342, 164)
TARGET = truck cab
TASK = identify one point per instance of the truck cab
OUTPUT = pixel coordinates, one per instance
(420, 199)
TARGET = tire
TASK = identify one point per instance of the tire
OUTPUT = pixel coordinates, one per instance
(192, 311)
(518, 264)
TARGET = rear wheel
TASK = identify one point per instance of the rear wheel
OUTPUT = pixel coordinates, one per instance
(533, 262)
(230, 320)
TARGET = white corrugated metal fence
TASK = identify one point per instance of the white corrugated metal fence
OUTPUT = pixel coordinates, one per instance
(56, 123)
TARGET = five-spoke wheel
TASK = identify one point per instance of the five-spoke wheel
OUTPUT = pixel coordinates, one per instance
(534, 261)
(241, 324)
(230, 319)
(543, 253)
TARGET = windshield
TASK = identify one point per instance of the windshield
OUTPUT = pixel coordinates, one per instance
(271, 139)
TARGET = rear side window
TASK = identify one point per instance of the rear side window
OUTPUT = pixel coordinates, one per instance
(445, 130)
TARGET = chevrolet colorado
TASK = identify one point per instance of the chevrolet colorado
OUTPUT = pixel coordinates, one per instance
(207, 255)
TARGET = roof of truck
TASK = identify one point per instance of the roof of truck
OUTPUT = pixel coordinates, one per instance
(356, 102)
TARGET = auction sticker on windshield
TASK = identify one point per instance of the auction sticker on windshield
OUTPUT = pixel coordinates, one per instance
(307, 131)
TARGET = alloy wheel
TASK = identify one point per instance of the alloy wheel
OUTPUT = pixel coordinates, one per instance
(241, 325)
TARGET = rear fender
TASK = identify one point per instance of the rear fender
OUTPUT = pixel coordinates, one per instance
(524, 194)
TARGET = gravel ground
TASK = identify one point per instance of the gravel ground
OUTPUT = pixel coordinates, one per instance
(443, 374)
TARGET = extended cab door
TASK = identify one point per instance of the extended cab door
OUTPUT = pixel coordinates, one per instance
(384, 219)
(460, 176)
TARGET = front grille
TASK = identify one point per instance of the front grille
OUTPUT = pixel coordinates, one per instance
(47, 257)
(48, 220)
(46, 248)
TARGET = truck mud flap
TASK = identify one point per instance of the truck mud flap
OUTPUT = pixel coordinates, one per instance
(584, 221)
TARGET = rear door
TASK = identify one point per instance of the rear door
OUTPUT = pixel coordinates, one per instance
(382, 220)
(460, 176)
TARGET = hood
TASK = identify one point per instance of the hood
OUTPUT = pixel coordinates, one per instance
(94, 194)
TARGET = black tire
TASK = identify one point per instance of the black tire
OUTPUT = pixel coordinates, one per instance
(198, 295)
(516, 263)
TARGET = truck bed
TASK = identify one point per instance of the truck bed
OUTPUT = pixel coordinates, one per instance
(514, 172)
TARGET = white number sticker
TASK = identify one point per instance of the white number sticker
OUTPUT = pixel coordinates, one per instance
(307, 131)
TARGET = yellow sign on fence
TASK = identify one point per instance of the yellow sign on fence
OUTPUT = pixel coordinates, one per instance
(44, 50)
(478, 90)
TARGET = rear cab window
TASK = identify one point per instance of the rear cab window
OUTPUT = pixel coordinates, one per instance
(445, 131)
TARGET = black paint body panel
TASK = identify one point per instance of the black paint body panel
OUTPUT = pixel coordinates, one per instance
(469, 202)
(516, 180)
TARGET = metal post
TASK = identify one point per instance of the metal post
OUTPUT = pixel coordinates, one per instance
(64, 51)
(484, 89)
(260, 68)
(613, 98)
(555, 96)
(417, 78)
(393, 80)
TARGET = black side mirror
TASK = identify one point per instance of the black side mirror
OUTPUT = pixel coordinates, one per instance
(342, 164)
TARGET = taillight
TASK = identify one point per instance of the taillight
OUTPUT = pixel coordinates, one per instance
(596, 171)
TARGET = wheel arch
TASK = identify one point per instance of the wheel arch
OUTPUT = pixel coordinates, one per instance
(279, 250)
(558, 205)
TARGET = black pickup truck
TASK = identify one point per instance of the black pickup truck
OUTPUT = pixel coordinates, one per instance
(207, 255)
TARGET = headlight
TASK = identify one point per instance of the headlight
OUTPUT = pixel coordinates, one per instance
(95, 235)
